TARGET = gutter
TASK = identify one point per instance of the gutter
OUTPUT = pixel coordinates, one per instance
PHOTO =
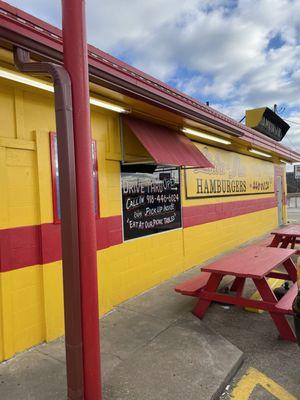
(69, 224)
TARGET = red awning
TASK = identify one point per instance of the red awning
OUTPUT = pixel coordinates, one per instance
(166, 146)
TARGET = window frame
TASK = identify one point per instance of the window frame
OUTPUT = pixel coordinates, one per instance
(54, 185)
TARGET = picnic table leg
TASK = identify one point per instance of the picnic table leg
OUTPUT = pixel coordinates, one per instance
(280, 320)
(238, 285)
(293, 242)
(291, 269)
(276, 241)
(211, 286)
(285, 241)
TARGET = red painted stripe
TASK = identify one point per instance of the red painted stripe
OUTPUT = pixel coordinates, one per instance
(41, 244)
(109, 231)
(20, 247)
(197, 215)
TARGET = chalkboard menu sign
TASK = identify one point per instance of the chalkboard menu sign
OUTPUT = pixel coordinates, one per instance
(151, 202)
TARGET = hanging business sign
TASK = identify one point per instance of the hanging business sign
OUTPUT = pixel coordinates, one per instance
(233, 175)
(267, 122)
(151, 202)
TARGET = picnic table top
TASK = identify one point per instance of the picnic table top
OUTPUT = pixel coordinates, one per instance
(250, 262)
(293, 230)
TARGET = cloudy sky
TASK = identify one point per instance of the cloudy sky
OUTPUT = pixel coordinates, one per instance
(234, 54)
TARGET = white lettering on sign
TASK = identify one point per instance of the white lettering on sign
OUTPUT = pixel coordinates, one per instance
(151, 202)
(270, 127)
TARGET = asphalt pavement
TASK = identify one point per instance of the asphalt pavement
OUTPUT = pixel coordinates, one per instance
(255, 334)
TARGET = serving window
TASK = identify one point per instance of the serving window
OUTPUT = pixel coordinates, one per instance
(55, 177)
(151, 200)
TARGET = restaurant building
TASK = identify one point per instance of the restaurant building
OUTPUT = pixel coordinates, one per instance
(175, 183)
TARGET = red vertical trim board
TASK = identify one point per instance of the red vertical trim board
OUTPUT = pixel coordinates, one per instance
(280, 171)
(54, 160)
(95, 172)
(56, 218)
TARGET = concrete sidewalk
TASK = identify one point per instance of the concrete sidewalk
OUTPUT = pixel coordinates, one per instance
(152, 349)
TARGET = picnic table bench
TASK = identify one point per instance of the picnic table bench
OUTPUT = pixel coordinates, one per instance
(256, 263)
(194, 285)
(286, 237)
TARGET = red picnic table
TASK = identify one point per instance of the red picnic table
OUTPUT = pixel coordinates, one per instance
(286, 237)
(256, 263)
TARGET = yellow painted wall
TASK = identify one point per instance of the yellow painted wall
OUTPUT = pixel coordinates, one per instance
(31, 298)
(205, 241)
(52, 283)
(22, 322)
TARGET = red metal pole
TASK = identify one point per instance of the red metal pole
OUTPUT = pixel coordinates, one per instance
(76, 63)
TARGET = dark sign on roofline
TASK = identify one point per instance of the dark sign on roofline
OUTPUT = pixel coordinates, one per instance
(267, 122)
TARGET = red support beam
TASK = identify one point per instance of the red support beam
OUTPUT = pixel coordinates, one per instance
(76, 63)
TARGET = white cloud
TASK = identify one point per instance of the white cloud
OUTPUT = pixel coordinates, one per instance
(237, 54)
(292, 138)
(49, 11)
